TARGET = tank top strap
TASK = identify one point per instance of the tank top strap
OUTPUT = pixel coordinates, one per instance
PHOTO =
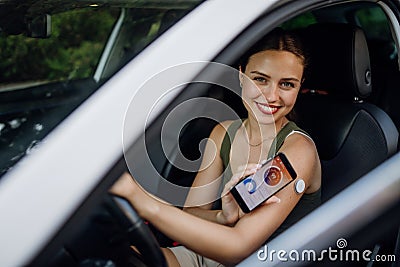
(227, 141)
(279, 139)
(225, 150)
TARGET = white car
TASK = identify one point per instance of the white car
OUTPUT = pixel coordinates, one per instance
(90, 89)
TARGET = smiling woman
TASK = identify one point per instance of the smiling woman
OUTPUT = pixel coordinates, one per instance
(270, 76)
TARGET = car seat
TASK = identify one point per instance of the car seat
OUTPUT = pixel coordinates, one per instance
(351, 135)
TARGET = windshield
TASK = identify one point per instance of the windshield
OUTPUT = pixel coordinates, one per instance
(53, 57)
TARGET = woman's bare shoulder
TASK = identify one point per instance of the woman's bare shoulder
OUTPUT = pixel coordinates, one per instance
(303, 155)
(220, 129)
(300, 143)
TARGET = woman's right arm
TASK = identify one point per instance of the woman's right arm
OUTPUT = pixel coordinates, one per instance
(206, 185)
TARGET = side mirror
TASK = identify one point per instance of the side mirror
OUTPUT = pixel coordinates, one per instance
(39, 27)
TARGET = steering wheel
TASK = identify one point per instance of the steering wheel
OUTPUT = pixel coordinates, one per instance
(137, 232)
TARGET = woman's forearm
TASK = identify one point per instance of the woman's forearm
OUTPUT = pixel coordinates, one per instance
(209, 239)
(219, 242)
(215, 216)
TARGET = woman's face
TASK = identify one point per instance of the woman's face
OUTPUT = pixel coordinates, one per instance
(272, 84)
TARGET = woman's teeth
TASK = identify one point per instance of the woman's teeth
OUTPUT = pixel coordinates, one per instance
(266, 108)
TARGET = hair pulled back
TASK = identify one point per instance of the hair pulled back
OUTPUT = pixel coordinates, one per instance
(277, 40)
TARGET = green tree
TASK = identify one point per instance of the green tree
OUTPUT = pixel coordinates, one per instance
(71, 52)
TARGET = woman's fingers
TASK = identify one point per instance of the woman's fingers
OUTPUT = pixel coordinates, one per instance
(124, 186)
(231, 183)
(243, 171)
(127, 187)
(273, 199)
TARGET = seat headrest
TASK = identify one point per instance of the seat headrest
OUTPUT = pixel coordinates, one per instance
(338, 59)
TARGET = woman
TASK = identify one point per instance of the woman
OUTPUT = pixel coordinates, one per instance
(270, 75)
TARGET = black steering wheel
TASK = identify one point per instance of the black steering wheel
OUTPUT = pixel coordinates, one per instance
(105, 237)
(137, 231)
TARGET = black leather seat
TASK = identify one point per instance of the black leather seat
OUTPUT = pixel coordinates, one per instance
(352, 136)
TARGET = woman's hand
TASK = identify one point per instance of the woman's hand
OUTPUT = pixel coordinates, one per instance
(124, 186)
(231, 211)
(127, 187)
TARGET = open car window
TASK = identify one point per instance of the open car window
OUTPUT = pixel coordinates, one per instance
(53, 57)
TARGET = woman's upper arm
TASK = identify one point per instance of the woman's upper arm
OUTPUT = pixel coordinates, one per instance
(303, 156)
(257, 226)
(207, 182)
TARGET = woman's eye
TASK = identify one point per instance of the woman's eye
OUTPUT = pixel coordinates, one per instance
(288, 84)
(259, 79)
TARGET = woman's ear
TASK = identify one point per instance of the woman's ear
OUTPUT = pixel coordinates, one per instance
(241, 76)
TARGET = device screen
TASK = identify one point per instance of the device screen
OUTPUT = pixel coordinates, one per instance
(269, 179)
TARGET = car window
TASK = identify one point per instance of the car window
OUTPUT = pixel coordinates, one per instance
(300, 21)
(374, 21)
(71, 52)
(139, 28)
(45, 75)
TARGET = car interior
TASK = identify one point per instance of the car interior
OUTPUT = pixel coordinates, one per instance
(332, 106)
(337, 106)
(348, 105)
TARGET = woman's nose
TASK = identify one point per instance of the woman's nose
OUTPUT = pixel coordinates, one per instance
(271, 93)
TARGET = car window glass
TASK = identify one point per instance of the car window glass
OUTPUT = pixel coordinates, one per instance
(71, 52)
(139, 28)
(374, 22)
(42, 80)
(300, 21)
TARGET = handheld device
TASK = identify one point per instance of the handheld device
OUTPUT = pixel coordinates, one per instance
(272, 177)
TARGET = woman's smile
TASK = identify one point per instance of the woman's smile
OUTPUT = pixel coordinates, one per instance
(267, 109)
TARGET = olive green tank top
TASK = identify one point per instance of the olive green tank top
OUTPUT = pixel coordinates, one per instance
(277, 143)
